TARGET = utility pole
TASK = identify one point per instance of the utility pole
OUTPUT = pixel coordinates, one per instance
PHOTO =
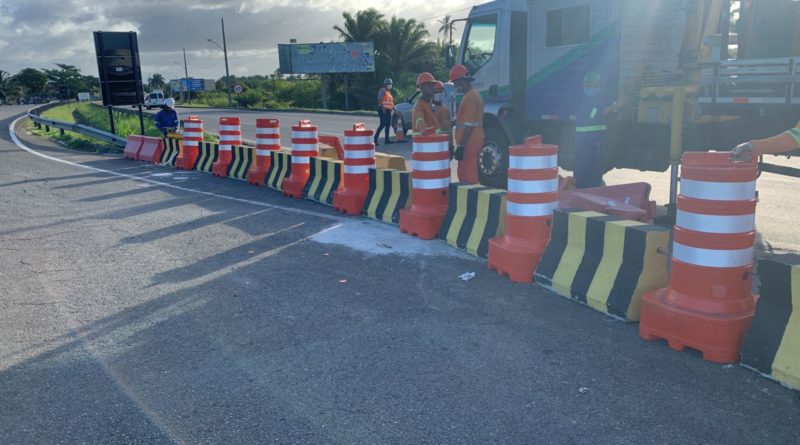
(225, 51)
(186, 71)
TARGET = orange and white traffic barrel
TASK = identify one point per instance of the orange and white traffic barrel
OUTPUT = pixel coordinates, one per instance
(230, 135)
(190, 148)
(268, 139)
(709, 304)
(532, 196)
(359, 157)
(305, 145)
(430, 181)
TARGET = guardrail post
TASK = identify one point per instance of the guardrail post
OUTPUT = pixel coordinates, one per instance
(47, 128)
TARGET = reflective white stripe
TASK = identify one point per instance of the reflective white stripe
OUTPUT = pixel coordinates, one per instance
(529, 162)
(429, 184)
(540, 209)
(426, 166)
(190, 143)
(359, 154)
(305, 147)
(262, 152)
(225, 147)
(543, 186)
(230, 138)
(716, 223)
(712, 257)
(230, 128)
(718, 191)
(431, 147)
(262, 141)
(187, 125)
(268, 130)
(300, 160)
(357, 140)
(357, 169)
(196, 134)
(304, 135)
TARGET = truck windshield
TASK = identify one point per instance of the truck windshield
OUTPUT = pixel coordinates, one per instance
(479, 45)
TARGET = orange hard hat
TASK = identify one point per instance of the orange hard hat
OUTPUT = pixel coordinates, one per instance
(459, 72)
(425, 78)
(438, 86)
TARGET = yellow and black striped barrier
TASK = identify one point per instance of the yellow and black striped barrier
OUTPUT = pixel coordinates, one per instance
(474, 215)
(772, 345)
(280, 167)
(324, 178)
(389, 191)
(603, 261)
(206, 157)
(170, 153)
(240, 162)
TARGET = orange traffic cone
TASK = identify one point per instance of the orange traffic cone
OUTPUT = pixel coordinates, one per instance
(708, 305)
(230, 135)
(359, 157)
(532, 196)
(305, 144)
(190, 148)
(430, 181)
(268, 138)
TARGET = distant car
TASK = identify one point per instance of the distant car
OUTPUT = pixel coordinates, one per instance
(401, 117)
(154, 100)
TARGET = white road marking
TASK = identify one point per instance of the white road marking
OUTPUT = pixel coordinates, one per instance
(19, 144)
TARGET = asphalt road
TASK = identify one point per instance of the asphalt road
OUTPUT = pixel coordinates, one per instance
(776, 218)
(145, 305)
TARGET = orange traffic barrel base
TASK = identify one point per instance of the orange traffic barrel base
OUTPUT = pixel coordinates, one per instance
(186, 162)
(256, 177)
(515, 258)
(220, 169)
(349, 202)
(423, 225)
(718, 336)
(294, 188)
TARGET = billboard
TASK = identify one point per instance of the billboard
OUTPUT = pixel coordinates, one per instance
(118, 66)
(193, 85)
(322, 58)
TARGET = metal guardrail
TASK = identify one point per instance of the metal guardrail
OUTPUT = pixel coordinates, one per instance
(34, 115)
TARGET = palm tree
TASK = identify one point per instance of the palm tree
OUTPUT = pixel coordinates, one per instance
(404, 46)
(156, 82)
(448, 25)
(364, 27)
(4, 85)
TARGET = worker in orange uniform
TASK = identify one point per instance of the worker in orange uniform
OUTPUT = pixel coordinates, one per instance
(441, 111)
(469, 126)
(422, 116)
(385, 108)
(787, 141)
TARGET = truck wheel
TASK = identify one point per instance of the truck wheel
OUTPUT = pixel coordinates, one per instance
(493, 159)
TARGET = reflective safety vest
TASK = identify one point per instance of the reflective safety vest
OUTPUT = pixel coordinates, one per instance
(387, 101)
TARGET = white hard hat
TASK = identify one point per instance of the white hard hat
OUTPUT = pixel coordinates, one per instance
(170, 102)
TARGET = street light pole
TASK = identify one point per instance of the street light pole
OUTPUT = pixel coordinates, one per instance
(180, 82)
(188, 84)
(225, 51)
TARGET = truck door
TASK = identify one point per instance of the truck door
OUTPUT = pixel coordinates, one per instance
(478, 54)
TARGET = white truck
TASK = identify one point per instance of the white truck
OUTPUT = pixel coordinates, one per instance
(573, 71)
(155, 99)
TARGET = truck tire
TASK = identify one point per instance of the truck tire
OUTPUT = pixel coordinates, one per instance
(493, 159)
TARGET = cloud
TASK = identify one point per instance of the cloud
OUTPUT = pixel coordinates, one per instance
(39, 33)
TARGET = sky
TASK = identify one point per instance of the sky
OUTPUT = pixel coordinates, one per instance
(39, 33)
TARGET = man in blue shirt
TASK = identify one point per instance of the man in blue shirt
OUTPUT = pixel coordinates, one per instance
(167, 118)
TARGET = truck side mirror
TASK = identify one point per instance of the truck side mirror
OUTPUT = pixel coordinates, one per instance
(450, 56)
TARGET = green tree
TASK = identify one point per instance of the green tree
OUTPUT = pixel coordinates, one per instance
(32, 81)
(156, 82)
(404, 47)
(447, 26)
(5, 86)
(364, 27)
(66, 81)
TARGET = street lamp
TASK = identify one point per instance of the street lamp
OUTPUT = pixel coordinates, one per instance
(224, 48)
